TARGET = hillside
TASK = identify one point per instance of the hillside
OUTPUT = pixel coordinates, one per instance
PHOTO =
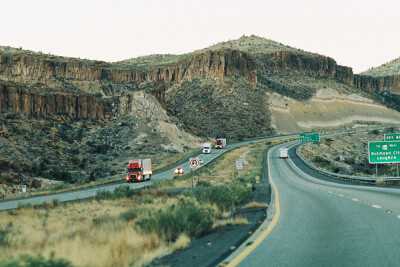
(387, 69)
(93, 116)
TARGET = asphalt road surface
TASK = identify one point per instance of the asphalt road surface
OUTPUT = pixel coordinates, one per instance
(163, 174)
(319, 222)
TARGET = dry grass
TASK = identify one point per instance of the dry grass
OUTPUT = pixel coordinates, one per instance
(230, 221)
(71, 232)
(223, 172)
(255, 205)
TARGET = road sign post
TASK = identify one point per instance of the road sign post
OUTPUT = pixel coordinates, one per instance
(309, 138)
(194, 163)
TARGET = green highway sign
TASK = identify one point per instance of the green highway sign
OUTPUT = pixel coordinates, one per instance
(392, 137)
(384, 152)
(309, 138)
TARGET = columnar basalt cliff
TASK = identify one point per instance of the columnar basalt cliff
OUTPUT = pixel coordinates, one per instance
(389, 83)
(15, 98)
(312, 64)
(216, 64)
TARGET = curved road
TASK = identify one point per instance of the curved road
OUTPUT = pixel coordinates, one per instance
(163, 174)
(319, 222)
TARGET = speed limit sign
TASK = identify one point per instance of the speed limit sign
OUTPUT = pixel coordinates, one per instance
(194, 162)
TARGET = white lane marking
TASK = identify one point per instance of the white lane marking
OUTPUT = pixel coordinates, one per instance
(330, 192)
(340, 195)
(355, 199)
(398, 216)
(376, 206)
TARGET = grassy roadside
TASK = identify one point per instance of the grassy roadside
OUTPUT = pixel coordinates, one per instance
(130, 227)
(65, 187)
(348, 154)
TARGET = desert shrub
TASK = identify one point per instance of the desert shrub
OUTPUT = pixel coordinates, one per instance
(62, 175)
(225, 196)
(119, 192)
(129, 215)
(24, 206)
(350, 161)
(203, 184)
(4, 237)
(184, 217)
(321, 161)
(102, 219)
(34, 261)
(328, 141)
(374, 132)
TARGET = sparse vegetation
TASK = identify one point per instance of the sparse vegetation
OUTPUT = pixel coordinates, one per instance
(347, 154)
(387, 69)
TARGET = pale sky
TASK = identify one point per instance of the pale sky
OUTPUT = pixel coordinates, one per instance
(359, 34)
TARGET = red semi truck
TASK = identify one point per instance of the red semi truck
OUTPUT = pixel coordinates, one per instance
(221, 143)
(139, 170)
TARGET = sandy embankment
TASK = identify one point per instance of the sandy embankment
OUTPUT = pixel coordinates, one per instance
(327, 109)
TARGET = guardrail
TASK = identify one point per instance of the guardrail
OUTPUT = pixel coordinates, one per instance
(347, 177)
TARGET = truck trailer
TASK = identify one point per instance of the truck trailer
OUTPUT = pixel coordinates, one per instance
(221, 143)
(139, 170)
(283, 153)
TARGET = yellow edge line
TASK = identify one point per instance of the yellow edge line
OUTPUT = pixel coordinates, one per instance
(264, 234)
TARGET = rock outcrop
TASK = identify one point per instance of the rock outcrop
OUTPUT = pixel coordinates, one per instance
(317, 65)
(16, 98)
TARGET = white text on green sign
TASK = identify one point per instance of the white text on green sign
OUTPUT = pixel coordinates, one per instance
(392, 137)
(309, 138)
(384, 152)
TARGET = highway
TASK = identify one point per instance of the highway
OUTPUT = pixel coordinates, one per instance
(322, 222)
(166, 173)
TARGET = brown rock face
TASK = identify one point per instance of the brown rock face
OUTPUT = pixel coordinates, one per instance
(16, 98)
(214, 64)
(390, 83)
(317, 65)
(322, 66)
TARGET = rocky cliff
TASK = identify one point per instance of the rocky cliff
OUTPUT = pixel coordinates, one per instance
(317, 65)
(17, 98)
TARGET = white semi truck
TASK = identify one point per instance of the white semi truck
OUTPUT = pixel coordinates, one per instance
(206, 148)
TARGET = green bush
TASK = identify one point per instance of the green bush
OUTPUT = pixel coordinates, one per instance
(225, 196)
(203, 184)
(4, 233)
(350, 161)
(185, 217)
(102, 219)
(321, 161)
(122, 191)
(129, 215)
(35, 261)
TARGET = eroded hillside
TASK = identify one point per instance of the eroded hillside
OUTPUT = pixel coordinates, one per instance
(75, 120)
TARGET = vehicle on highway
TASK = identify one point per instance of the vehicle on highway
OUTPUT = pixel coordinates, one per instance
(206, 148)
(283, 153)
(221, 143)
(139, 170)
(178, 171)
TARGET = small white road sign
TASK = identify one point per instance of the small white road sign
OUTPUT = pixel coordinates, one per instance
(194, 162)
(239, 165)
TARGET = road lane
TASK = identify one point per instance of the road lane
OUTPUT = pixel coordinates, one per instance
(320, 223)
(164, 174)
